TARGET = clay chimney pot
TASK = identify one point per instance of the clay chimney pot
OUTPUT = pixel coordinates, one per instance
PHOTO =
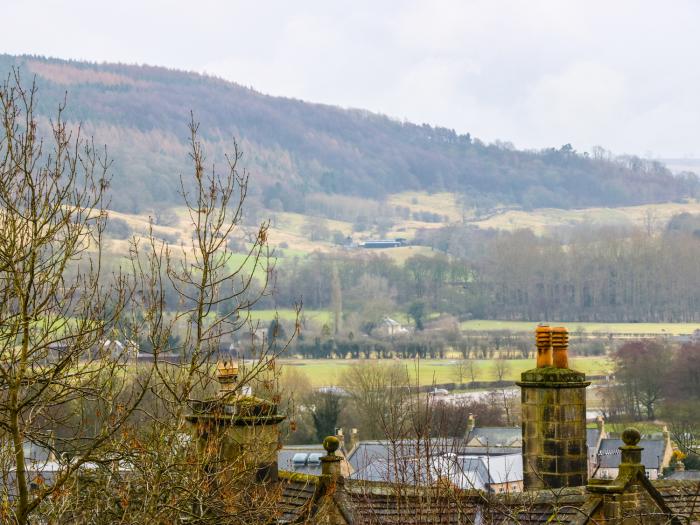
(560, 347)
(543, 340)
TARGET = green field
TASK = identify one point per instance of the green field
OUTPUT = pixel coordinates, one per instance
(591, 328)
(326, 372)
(288, 314)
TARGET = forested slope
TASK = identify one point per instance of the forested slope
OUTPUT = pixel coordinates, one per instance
(294, 148)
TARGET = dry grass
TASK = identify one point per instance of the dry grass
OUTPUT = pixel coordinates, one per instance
(417, 201)
(289, 228)
(543, 220)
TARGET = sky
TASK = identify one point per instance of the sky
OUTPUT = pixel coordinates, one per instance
(621, 74)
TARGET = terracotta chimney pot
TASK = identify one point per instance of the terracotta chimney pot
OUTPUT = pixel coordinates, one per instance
(543, 340)
(560, 347)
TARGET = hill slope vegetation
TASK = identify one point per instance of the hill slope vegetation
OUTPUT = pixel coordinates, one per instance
(294, 149)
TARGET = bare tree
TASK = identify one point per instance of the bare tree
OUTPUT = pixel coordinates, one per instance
(118, 445)
(217, 292)
(502, 367)
(462, 369)
(377, 393)
(63, 387)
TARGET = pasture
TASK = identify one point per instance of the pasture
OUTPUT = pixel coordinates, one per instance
(328, 372)
(544, 220)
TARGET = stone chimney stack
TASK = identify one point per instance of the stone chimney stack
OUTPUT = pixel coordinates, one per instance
(553, 416)
(236, 433)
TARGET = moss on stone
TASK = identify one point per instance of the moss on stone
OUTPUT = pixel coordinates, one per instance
(553, 375)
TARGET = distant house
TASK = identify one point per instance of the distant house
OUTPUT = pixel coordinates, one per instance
(656, 456)
(594, 438)
(424, 462)
(495, 474)
(116, 349)
(390, 328)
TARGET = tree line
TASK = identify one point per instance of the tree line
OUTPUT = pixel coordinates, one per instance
(603, 275)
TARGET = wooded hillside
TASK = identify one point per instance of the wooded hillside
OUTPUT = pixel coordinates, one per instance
(295, 148)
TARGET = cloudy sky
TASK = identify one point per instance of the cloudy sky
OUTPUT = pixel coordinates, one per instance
(625, 75)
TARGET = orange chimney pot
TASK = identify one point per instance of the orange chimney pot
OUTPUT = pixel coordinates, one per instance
(543, 340)
(560, 347)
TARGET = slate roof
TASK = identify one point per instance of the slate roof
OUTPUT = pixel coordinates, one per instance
(379, 503)
(495, 469)
(310, 453)
(570, 506)
(652, 455)
(489, 451)
(592, 435)
(367, 452)
(681, 497)
(370, 503)
(684, 475)
(296, 502)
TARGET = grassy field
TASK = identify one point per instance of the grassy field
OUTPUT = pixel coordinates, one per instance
(603, 328)
(287, 314)
(543, 220)
(442, 203)
(325, 372)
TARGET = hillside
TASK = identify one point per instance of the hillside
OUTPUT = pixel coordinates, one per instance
(295, 149)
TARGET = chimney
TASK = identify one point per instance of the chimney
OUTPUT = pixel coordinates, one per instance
(600, 423)
(354, 439)
(341, 437)
(227, 376)
(553, 416)
(236, 433)
(471, 423)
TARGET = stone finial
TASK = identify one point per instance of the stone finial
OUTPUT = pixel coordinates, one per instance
(331, 444)
(631, 437)
(560, 347)
(631, 452)
(330, 463)
(543, 341)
